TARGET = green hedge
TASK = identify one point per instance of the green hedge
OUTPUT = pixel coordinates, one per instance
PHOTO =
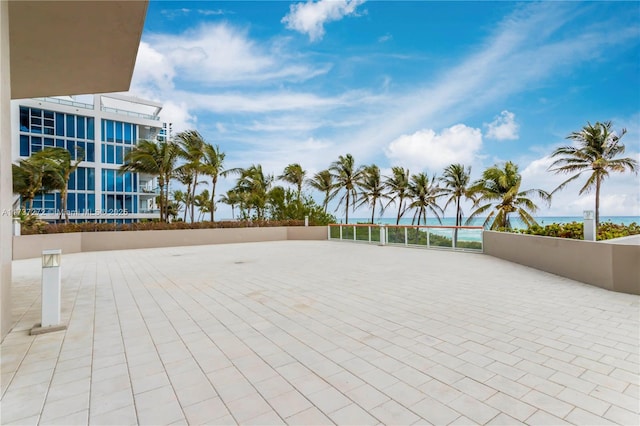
(575, 230)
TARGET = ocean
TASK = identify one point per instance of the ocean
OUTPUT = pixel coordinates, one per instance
(515, 222)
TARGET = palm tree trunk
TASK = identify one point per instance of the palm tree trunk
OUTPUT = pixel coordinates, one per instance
(346, 210)
(458, 221)
(213, 194)
(373, 211)
(399, 210)
(597, 204)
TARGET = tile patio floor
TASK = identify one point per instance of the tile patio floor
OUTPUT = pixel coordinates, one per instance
(319, 333)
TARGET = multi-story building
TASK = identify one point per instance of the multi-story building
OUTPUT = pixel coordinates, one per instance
(102, 132)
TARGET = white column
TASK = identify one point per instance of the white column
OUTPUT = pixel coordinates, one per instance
(6, 190)
(589, 225)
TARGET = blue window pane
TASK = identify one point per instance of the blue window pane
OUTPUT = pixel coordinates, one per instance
(71, 147)
(91, 203)
(60, 143)
(36, 148)
(111, 202)
(71, 125)
(59, 124)
(118, 131)
(36, 203)
(119, 182)
(24, 146)
(58, 204)
(81, 150)
(135, 133)
(104, 181)
(109, 128)
(24, 119)
(36, 120)
(48, 142)
(48, 114)
(72, 180)
(91, 179)
(81, 206)
(36, 144)
(128, 204)
(81, 172)
(135, 204)
(36, 112)
(128, 178)
(110, 154)
(128, 133)
(71, 201)
(119, 157)
(50, 201)
(36, 129)
(90, 156)
(80, 132)
(90, 133)
(111, 180)
(135, 182)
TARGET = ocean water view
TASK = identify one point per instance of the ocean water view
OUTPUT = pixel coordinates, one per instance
(516, 223)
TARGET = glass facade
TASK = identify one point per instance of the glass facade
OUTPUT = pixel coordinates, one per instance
(107, 146)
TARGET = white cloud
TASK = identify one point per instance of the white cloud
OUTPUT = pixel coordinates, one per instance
(178, 115)
(385, 38)
(428, 149)
(152, 69)
(503, 127)
(310, 17)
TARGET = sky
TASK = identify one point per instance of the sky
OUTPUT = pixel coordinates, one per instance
(418, 84)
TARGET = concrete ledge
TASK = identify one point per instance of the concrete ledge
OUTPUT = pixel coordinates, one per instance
(30, 246)
(609, 266)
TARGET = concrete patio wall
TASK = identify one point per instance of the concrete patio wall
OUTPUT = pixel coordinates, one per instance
(29, 246)
(610, 266)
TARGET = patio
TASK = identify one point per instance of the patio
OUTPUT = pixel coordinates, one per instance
(317, 332)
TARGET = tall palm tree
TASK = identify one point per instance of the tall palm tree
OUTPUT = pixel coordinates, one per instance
(213, 166)
(346, 175)
(184, 175)
(423, 194)
(371, 189)
(154, 158)
(65, 167)
(323, 182)
(498, 191)
(456, 178)
(596, 151)
(294, 174)
(398, 187)
(192, 146)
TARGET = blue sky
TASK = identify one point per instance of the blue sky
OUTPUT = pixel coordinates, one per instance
(418, 84)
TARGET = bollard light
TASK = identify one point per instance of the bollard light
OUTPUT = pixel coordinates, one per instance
(16, 226)
(589, 225)
(51, 286)
(306, 221)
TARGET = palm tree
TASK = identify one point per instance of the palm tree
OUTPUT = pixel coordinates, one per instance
(255, 186)
(456, 181)
(203, 203)
(213, 166)
(595, 153)
(346, 176)
(371, 189)
(499, 191)
(192, 147)
(179, 199)
(423, 193)
(294, 174)
(154, 158)
(323, 182)
(184, 175)
(65, 167)
(233, 199)
(33, 176)
(398, 187)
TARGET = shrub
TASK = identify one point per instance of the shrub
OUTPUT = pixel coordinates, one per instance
(575, 230)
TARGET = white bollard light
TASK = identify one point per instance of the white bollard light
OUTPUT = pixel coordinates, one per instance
(306, 221)
(383, 237)
(16, 226)
(51, 287)
(589, 225)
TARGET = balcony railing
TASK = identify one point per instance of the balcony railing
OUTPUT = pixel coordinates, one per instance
(463, 238)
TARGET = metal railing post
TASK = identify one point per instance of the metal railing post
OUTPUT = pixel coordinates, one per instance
(369, 228)
(354, 233)
(340, 232)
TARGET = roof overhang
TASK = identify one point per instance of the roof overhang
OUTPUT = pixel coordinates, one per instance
(73, 47)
